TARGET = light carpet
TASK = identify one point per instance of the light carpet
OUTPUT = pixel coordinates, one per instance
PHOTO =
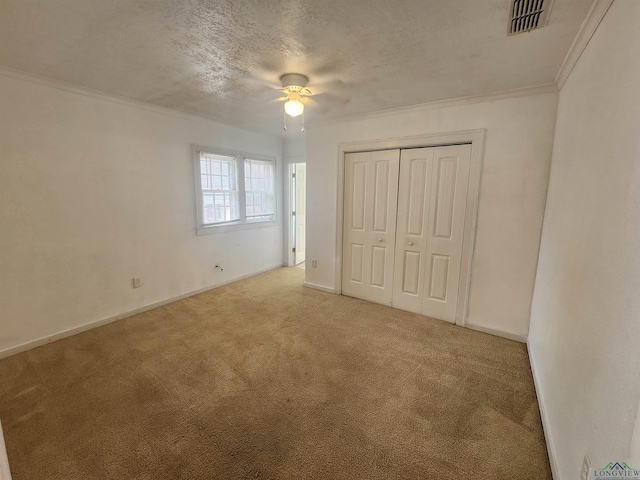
(267, 379)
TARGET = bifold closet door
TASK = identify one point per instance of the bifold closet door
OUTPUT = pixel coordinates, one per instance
(370, 206)
(413, 215)
(431, 211)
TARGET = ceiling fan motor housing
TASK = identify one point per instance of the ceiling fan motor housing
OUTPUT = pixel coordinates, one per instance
(293, 80)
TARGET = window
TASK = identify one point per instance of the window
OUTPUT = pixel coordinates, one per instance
(234, 190)
(219, 189)
(259, 190)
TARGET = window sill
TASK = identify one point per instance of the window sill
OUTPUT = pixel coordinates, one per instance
(234, 227)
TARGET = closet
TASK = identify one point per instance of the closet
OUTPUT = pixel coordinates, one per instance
(404, 213)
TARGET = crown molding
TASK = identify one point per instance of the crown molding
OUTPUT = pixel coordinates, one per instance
(71, 88)
(596, 13)
(87, 92)
(452, 102)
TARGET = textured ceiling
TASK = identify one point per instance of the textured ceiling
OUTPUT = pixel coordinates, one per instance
(216, 58)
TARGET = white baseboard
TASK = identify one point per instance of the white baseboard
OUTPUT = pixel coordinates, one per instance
(5, 474)
(498, 333)
(88, 326)
(319, 287)
(545, 419)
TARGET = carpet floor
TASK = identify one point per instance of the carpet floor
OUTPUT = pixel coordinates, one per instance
(267, 379)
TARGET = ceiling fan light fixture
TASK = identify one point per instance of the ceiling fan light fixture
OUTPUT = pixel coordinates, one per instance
(294, 106)
(294, 86)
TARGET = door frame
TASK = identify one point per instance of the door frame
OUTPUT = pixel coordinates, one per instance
(289, 227)
(289, 203)
(476, 138)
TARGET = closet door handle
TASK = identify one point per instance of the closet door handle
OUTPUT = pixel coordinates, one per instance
(379, 239)
(411, 244)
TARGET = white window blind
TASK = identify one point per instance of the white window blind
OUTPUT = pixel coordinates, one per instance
(219, 189)
(259, 190)
(233, 190)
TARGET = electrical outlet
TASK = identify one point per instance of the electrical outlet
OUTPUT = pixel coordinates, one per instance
(137, 282)
(314, 263)
(585, 474)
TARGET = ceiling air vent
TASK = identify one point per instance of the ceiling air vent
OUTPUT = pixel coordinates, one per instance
(527, 15)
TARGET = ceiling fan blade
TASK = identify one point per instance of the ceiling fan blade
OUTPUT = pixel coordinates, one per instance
(325, 103)
(333, 86)
(332, 98)
(325, 87)
(327, 68)
(255, 83)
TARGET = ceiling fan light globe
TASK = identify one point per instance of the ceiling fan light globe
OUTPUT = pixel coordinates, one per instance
(294, 108)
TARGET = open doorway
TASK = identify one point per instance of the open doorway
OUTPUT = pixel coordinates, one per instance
(298, 218)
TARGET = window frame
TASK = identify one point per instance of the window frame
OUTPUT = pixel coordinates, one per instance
(239, 158)
(257, 191)
(233, 189)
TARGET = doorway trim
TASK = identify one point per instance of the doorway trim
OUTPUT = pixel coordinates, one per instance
(289, 204)
(477, 140)
(289, 257)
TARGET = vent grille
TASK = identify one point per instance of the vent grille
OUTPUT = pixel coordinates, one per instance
(527, 15)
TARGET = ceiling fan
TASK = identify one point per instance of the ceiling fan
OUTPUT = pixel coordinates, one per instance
(297, 95)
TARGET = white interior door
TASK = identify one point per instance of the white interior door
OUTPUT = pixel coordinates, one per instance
(370, 206)
(411, 239)
(445, 229)
(301, 209)
(414, 265)
(431, 211)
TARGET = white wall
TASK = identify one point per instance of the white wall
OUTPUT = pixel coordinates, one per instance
(295, 149)
(5, 473)
(519, 138)
(95, 191)
(634, 449)
(585, 322)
